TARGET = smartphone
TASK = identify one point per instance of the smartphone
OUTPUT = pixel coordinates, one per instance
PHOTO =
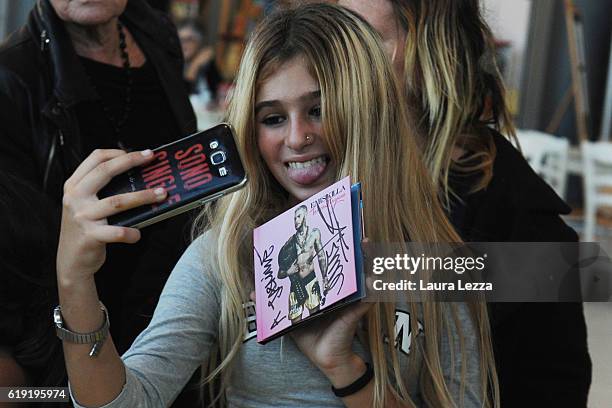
(194, 170)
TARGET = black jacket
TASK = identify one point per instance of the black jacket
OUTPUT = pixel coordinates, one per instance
(41, 82)
(540, 348)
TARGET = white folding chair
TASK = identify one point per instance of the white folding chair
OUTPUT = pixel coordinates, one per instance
(597, 168)
(547, 156)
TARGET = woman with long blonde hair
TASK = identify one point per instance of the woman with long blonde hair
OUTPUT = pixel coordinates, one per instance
(444, 53)
(314, 101)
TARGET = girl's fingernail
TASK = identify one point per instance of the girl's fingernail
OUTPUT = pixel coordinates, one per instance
(159, 192)
(146, 153)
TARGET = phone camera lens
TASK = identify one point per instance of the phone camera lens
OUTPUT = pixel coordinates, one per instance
(217, 158)
(214, 144)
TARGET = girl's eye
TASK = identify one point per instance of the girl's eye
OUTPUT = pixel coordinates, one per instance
(316, 111)
(272, 120)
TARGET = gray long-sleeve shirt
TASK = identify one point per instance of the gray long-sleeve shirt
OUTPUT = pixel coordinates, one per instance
(184, 330)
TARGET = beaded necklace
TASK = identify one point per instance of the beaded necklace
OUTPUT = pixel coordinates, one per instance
(117, 124)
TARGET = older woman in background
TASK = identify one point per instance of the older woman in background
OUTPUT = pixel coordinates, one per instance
(80, 76)
(443, 53)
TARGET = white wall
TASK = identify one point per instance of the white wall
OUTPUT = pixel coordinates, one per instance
(509, 20)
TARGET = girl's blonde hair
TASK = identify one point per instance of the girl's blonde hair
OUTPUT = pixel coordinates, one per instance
(366, 129)
(454, 86)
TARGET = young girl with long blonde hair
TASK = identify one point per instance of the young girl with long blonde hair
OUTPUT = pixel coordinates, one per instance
(314, 101)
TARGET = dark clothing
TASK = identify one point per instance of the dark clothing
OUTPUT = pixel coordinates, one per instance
(44, 88)
(540, 348)
(150, 119)
(27, 280)
(39, 90)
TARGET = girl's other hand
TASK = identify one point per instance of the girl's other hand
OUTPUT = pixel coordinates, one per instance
(327, 342)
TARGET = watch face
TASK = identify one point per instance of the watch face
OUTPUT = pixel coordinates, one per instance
(57, 316)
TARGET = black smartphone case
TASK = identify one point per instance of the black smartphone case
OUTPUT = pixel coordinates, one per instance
(193, 170)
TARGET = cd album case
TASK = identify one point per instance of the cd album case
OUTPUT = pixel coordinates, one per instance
(308, 260)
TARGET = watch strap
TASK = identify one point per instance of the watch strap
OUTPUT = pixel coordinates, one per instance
(96, 337)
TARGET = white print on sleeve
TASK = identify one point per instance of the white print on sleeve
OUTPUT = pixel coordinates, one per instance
(403, 331)
(251, 329)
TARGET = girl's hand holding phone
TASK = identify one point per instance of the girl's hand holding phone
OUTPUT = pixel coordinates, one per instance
(84, 230)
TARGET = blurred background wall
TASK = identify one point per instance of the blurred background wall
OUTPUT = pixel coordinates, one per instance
(547, 63)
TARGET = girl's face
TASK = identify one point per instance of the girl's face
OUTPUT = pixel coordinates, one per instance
(381, 16)
(289, 131)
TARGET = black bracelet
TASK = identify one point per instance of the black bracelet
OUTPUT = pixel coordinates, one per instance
(356, 385)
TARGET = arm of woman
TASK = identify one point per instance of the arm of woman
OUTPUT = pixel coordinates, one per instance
(178, 338)
(81, 252)
(96, 381)
(11, 373)
(201, 59)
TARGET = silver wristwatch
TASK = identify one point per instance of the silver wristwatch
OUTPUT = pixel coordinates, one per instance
(96, 338)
